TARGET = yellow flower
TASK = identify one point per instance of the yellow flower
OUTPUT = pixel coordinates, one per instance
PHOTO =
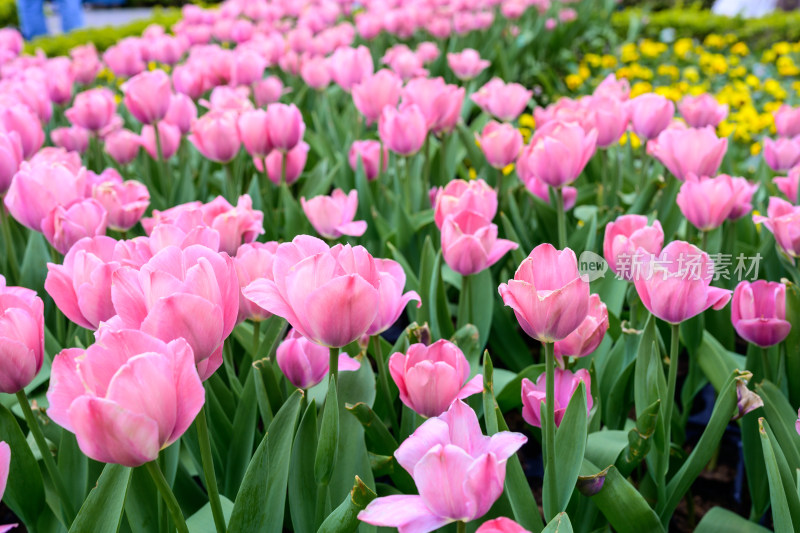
(691, 74)
(640, 87)
(774, 88)
(796, 86)
(527, 121)
(755, 148)
(713, 40)
(472, 174)
(740, 49)
(152, 65)
(608, 61)
(593, 59)
(650, 48)
(628, 53)
(584, 73)
(752, 81)
(770, 107)
(669, 70)
(768, 56)
(508, 169)
(682, 47)
(573, 81)
(738, 72)
(786, 67)
(635, 141)
(670, 92)
(782, 48)
(725, 128)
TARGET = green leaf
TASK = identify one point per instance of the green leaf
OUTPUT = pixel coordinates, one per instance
(755, 469)
(302, 485)
(623, 506)
(782, 417)
(559, 524)
(244, 428)
(476, 303)
(25, 489)
(570, 447)
(259, 505)
(441, 324)
(781, 515)
(793, 363)
(721, 520)
(426, 262)
(379, 439)
(344, 519)
(74, 467)
(510, 396)
(467, 339)
(604, 447)
(33, 270)
(325, 458)
(716, 362)
(640, 439)
(203, 520)
(102, 510)
(489, 405)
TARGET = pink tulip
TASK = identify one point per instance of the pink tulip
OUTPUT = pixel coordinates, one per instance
(651, 113)
(254, 132)
(10, 158)
(32, 194)
(127, 396)
(147, 96)
(439, 102)
(743, 192)
(125, 58)
(470, 244)
(285, 125)
(52, 155)
(501, 525)
(5, 462)
(73, 139)
(60, 80)
(350, 66)
(758, 312)
(20, 119)
(689, 151)
(787, 121)
(236, 225)
(125, 202)
(189, 80)
(85, 63)
(376, 92)
(188, 229)
(181, 112)
(500, 143)
(312, 280)
(782, 154)
(216, 136)
(109, 176)
(392, 300)
(460, 195)
(589, 334)
(404, 62)
(32, 93)
(675, 285)
(268, 91)
(403, 131)
(427, 51)
(788, 184)
(247, 67)
(611, 87)
(11, 40)
(783, 220)
(459, 473)
(706, 202)
(305, 363)
(431, 378)
(467, 64)
(22, 335)
(169, 136)
(558, 153)
(701, 111)
(92, 109)
(368, 153)
(295, 161)
(625, 237)
(565, 385)
(123, 146)
(582, 111)
(547, 294)
(542, 191)
(611, 118)
(225, 98)
(504, 101)
(253, 260)
(315, 72)
(332, 216)
(65, 225)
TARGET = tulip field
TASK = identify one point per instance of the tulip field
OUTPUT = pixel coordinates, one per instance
(406, 265)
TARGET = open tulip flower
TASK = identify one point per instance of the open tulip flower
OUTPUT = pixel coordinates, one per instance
(565, 385)
(332, 216)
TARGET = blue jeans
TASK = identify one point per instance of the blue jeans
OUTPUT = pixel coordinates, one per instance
(32, 21)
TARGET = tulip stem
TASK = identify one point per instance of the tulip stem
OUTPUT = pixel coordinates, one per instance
(284, 157)
(461, 527)
(562, 222)
(168, 496)
(256, 339)
(204, 439)
(499, 186)
(426, 166)
(11, 253)
(765, 364)
(333, 365)
(382, 379)
(162, 167)
(670, 403)
(47, 457)
(550, 427)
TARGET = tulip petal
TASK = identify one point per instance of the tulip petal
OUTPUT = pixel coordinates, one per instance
(473, 386)
(65, 386)
(432, 432)
(341, 310)
(354, 229)
(408, 514)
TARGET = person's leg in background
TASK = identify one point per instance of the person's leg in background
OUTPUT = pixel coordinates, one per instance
(71, 14)
(31, 18)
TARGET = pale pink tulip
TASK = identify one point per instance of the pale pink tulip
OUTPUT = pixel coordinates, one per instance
(73, 139)
(215, 135)
(500, 143)
(305, 363)
(466, 64)
(123, 146)
(501, 525)
(147, 96)
(332, 216)
(65, 225)
(368, 154)
(460, 195)
(504, 101)
(782, 154)
(10, 158)
(392, 300)
(651, 113)
(565, 385)
(125, 202)
(169, 136)
(706, 202)
(350, 66)
(181, 112)
(403, 131)
(439, 102)
(22, 337)
(558, 153)
(701, 111)
(92, 109)
(294, 162)
(625, 237)
(375, 92)
(20, 119)
(758, 312)
(39, 187)
(253, 261)
(236, 225)
(689, 151)
(783, 220)
(470, 244)
(589, 334)
(285, 126)
(743, 190)
(787, 121)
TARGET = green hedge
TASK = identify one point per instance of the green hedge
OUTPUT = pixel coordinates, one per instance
(695, 22)
(8, 13)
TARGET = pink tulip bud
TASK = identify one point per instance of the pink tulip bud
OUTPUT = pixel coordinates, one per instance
(92, 109)
(60, 80)
(285, 125)
(305, 364)
(216, 136)
(368, 153)
(404, 62)
(783, 220)
(403, 131)
(66, 225)
(460, 195)
(236, 225)
(565, 385)
(350, 66)
(439, 102)
(623, 239)
(459, 473)
(743, 192)
(197, 299)
(11, 40)
(787, 121)
(501, 525)
(611, 87)
(500, 143)
(169, 135)
(85, 63)
(247, 67)
(782, 154)
(558, 153)
(52, 155)
(611, 118)
(125, 58)
(123, 146)
(332, 216)
(315, 72)
(706, 202)
(581, 111)
(440, 367)
(32, 194)
(125, 202)
(147, 96)
(22, 335)
(788, 184)
(547, 294)
(467, 64)
(268, 91)
(675, 285)
(311, 280)
(125, 397)
(589, 334)
(504, 101)
(758, 312)
(73, 139)
(181, 113)
(701, 111)
(295, 162)
(470, 244)
(427, 51)
(689, 151)
(651, 113)
(254, 132)
(253, 260)
(189, 80)
(24, 122)
(10, 158)
(5, 457)
(376, 92)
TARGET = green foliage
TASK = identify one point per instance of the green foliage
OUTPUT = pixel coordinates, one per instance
(8, 13)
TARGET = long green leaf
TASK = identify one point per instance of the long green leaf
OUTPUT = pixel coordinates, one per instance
(720, 520)
(344, 519)
(102, 510)
(781, 516)
(302, 486)
(25, 489)
(244, 428)
(203, 520)
(325, 458)
(559, 524)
